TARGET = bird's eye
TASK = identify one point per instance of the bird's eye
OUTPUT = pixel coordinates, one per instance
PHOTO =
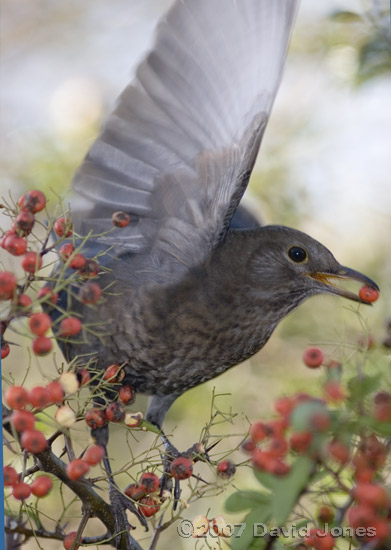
(297, 254)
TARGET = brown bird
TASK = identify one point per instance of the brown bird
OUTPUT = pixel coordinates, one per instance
(193, 294)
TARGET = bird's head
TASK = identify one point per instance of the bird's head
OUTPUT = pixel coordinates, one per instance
(289, 264)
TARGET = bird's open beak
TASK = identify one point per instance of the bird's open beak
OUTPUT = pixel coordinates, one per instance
(331, 281)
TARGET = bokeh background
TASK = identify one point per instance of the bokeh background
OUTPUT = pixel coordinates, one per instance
(324, 168)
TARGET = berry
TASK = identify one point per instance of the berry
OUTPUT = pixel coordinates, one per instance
(6, 234)
(63, 227)
(313, 357)
(126, 395)
(278, 447)
(181, 467)
(21, 491)
(90, 293)
(259, 431)
(300, 441)
(77, 468)
(226, 469)
(361, 516)
(339, 451)
(148, 506)
(65, 251)
(39, 323)
(113, 373)
(23, 420)
(115, 412)
(7, 285)
(39, 397)
(24, 301)
(77, 262)
(120, 219)
(368, 294)
(370, 494)
(69, 382)
(149, 482)
(90, 269)
(382, 412)
(11, 476)
(68, 541)
(16, 397)
(284, 405)
(320, 540)
(83, 376)
(95, 418)
(33, 441)
(221, 527)
(42, 345)
(33, 201)
(47, 291)
(24, 222)
(325, 514)
(41, 486)
(31, 262)
(333, 391)
(133, 420)
(15, 245)
(134, 491)
(55, 392)
(65, 416)
(71, 326)
(200, 526)
(5, 350)
(94, 455)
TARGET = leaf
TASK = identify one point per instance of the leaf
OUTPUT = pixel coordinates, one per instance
(267, 480)
(243, 500)
(345, 16)
(288, 488)
(361, 387)
(246, 539)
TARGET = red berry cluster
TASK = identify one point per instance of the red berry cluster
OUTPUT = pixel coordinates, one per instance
(21, 490)
(145, 493)
(78, 467)
(306, 425)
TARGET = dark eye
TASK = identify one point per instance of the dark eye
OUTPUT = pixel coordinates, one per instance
(297, 254)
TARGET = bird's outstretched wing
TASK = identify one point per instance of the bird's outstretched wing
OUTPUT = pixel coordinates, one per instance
(178, 150)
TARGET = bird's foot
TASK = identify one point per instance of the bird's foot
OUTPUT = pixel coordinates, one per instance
(178, 466)
(120, 504)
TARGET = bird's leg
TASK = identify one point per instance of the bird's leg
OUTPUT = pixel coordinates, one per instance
(119, 501)
(157, 408)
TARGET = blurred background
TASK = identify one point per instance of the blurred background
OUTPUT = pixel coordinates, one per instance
(324, 168)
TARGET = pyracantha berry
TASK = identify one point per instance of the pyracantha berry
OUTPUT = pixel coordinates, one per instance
(33, 441)
(63, 227)
(226, 469)
(42, 345)
(149, 482)
(95, 418)
(16, 397)
(41, 486)
(7, 285)
(39, 323)
(313, 357)
(21, 491)
(77, 468)
(181, 467)
(31, 262)
(33, 201)
(71, 326)
(120, 219)
(115, 412)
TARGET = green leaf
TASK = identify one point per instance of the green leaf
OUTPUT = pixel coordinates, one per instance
(287, 489)
(359, 387)
(267, 480)
(246, 539)
(243, 500)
